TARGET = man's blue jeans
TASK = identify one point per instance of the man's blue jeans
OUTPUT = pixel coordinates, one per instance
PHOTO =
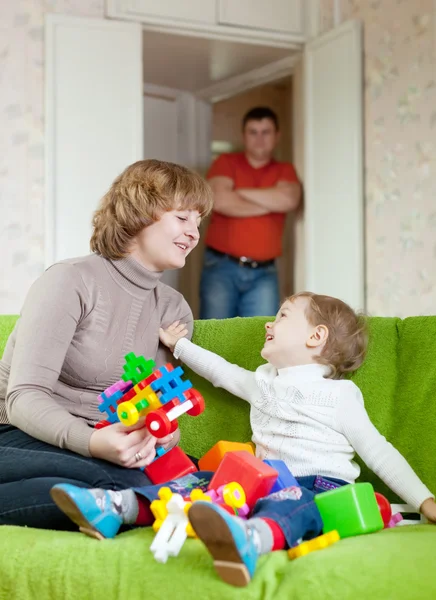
(230, 290)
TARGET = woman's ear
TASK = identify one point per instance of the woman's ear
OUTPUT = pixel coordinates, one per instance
(318, 337)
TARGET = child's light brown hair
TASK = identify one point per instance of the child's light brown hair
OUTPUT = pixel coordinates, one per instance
(138, 197)
(347, 341)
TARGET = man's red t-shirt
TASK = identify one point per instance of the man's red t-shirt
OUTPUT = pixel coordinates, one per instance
(259, 238)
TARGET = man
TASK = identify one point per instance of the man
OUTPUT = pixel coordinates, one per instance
(252, 194)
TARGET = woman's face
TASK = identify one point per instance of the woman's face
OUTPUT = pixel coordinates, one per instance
(166, 243)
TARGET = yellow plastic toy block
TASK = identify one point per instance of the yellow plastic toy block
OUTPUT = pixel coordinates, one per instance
(211, 460)
(318, 543)
(160, 510)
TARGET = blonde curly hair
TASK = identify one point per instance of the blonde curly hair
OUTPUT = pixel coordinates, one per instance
(138, 197)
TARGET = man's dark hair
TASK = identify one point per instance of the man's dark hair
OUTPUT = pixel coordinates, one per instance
(258, 113)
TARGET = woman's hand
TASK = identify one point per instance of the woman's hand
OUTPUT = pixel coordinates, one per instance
(121, 445)
(428, 509)
(169, 441)
(170, 336)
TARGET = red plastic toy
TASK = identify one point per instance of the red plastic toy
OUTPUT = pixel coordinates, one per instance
(250, 472)
(385, 508)
(171, 465)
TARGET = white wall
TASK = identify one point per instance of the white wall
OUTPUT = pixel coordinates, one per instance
(22, 140)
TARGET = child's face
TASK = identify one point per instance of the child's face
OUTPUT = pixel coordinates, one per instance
(287, 337)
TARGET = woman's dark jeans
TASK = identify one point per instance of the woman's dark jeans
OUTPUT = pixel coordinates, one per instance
(30, 468)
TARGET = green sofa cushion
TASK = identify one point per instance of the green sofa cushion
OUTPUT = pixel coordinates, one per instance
(398, 383)
(394, 564)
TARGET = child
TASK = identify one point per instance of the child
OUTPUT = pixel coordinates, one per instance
(303, 413)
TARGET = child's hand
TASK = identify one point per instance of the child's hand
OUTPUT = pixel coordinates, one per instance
(170, 336)
(428, 509)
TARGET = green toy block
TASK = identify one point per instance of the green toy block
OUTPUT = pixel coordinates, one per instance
(351, 510)
(137, 368)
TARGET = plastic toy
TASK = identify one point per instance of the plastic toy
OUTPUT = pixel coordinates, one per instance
(211, 460)
(231, 497)
(163, 421)
(173, 464)
(351, 510)
(171, 523)
(318, 543)
(409, 515)
(395, 519)
(172, 526)
(256, 477)
(384, 507)
(285, 478)
(137, 368)
(159, 395)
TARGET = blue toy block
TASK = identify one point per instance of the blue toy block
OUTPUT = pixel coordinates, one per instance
(109, 406)
(285, 478)
(170, 385)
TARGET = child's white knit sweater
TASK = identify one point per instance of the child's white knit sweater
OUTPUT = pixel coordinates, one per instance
(315, 425)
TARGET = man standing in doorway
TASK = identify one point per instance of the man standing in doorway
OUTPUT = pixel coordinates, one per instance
(252, 194)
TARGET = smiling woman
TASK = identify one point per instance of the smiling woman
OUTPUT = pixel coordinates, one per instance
(79, 320)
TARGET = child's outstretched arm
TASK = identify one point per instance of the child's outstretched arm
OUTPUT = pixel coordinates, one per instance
(380, 456)
(219, 372)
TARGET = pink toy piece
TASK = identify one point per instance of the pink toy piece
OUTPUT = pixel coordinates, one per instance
(118, 386)
(395, 519)
(217, 497)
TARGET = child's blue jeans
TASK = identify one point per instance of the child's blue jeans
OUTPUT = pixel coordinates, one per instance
(293, 509)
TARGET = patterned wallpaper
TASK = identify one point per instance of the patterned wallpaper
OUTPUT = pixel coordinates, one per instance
(400, 146)
(22, 140)
(400, 151)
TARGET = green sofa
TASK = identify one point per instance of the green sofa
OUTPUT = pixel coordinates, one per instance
(398, 381)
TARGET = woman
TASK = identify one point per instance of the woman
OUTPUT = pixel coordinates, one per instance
(79, 320)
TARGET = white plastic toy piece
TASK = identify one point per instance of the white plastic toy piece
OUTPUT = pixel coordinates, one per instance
(172, 534)
(406, 508)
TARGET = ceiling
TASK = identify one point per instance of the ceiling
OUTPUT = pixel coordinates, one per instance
(193, 63)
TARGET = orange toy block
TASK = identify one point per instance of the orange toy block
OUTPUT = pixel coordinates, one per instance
(256, 477)
(211, 460)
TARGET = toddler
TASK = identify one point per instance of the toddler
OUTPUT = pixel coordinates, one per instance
(304, 413)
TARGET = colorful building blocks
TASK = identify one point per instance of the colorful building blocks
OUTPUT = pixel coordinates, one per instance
(163, 421)
(285, 478)
(170, 385)
(137, 368)
(231, 497)
(173, 464)
(250, 472)
(160, 393)
(351, 509)
(173, 529)
(211, 460)
(318, 543)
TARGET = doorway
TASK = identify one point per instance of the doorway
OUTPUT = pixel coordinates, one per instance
(226, 137)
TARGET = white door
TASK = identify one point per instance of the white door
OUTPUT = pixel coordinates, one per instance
(161, 136)
(94, 121)
(334, 212)
(177, 128)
